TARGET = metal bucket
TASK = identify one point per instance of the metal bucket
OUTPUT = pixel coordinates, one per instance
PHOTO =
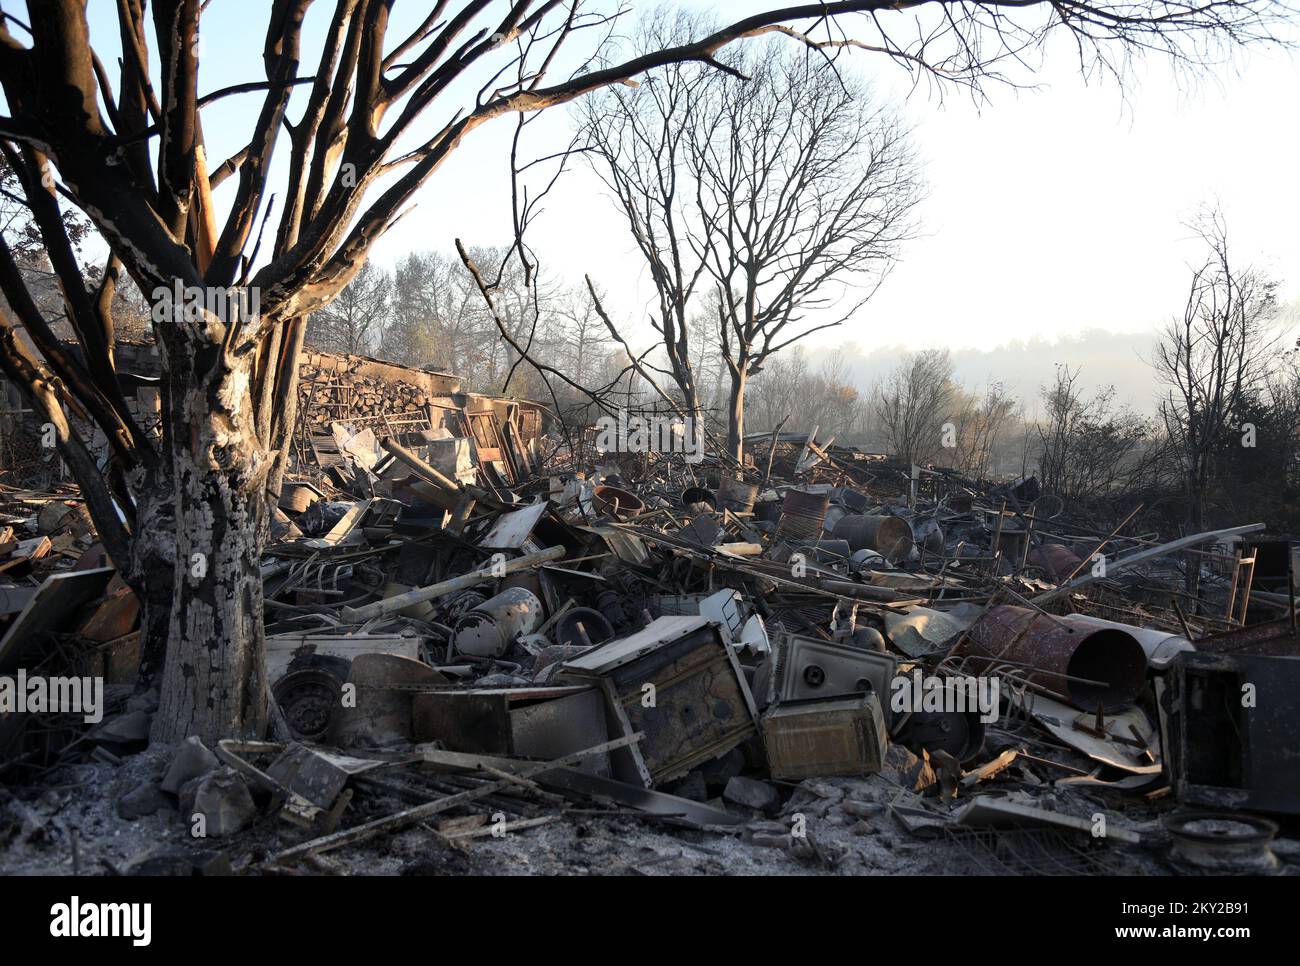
(890, 537)
(834, 514)
(693, 495)
(1058, 646)
(490, 628)
(737, 496)
(615, 502)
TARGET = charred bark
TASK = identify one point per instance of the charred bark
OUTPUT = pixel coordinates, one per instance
(152, 576)
(214, 675)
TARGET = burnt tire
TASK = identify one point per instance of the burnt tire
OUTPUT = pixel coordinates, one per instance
(310, 695)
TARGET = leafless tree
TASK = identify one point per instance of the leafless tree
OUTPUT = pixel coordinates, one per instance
(582, 341)
(639, 140)
(1213, 359)
(438, 318)
(789, 390)
(1088, 448)
(980, 420)
(352, 321)
(778, 192)
(184, 516)
(806, 190)
(913, 403)
(780, 392)
(23, 235)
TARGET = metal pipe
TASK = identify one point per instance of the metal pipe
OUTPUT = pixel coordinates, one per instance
(392, 605)
(1161, 647)
(1078, 651)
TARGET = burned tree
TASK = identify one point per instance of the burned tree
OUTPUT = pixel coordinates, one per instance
(184, 514)
(980, 421)
(775, 187)
(1089, 448)
(639, 141)
(1214, 359)
(805, 191)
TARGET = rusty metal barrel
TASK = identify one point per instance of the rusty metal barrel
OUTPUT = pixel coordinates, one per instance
(737, 496)
(1058, 560)
(1161, 647)
(890, 537)
(297, 497)
(802, 514)
(1089, 665)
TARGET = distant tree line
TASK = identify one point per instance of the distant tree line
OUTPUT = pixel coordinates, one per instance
(1222, 447)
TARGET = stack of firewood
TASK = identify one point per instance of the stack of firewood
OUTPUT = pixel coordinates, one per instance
(327, 395)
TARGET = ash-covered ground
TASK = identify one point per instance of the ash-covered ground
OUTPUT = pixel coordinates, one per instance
(97, 818)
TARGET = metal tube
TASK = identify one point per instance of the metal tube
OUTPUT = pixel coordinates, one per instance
(1063, 646)
(392, 605)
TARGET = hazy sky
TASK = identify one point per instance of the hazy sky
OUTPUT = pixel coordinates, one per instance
(1050, 211)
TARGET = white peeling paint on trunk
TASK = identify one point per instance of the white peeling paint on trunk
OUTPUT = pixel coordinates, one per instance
(214, 677)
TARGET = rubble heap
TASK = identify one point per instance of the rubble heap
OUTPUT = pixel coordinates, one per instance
(800, 654)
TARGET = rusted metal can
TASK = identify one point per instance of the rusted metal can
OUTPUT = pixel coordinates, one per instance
(736, 496)
(891, 537)
(1058, 560)
(615, 502)
(802, 514)
(1091, 666)
(693, 495)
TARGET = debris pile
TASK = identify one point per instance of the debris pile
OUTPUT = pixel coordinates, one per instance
(809, 653)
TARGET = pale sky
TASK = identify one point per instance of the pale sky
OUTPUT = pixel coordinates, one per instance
(1050, 211)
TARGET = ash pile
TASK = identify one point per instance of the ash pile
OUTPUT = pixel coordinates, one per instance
(817, 656)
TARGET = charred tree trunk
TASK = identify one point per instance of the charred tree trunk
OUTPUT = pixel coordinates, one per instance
(214, 676)
(153, 576)
(1198, 480)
